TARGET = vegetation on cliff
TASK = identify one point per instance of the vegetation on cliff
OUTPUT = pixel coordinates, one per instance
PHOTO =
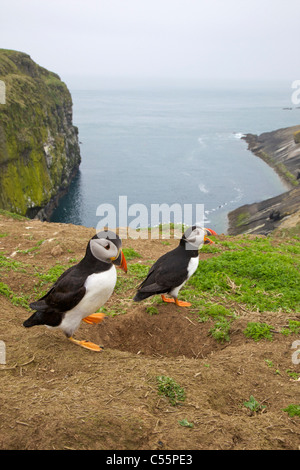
(39, 150)
(297, 137)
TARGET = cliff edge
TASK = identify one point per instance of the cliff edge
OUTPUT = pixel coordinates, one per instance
(281, 150)
(39, 148)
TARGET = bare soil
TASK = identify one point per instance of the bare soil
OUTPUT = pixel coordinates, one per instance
(56, 395)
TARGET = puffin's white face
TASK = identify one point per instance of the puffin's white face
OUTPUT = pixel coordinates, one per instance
(195, 237)
(103, 249)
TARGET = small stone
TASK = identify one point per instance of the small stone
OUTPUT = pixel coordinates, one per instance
(56, 251)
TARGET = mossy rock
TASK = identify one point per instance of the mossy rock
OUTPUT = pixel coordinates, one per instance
(39, 149)
(297, 137)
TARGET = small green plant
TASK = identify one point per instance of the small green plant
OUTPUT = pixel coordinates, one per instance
(292, 410)
(152, 310)
(170, 389)
(293, 327)
(185, 423)
(257, 331)
(253, 405)
(220, 330)
(269, 363)
(292, 374)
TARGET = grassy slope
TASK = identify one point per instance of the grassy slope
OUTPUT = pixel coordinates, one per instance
(234, 343)
(247, 272)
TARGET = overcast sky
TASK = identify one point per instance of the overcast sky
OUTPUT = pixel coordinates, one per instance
(179, 39)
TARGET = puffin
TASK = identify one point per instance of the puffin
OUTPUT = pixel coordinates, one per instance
(82, 289)
(171, 271)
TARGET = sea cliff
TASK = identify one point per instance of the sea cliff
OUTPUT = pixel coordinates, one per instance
(39, 148)
(281, 150)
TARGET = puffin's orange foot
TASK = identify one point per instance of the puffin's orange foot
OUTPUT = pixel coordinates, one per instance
(167, 299)
(94, 318)
(86, 344)
(181, 303)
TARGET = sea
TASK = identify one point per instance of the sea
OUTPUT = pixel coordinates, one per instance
(148, 146)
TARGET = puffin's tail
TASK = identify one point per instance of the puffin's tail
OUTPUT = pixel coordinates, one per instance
(141, 296)
(35, 319)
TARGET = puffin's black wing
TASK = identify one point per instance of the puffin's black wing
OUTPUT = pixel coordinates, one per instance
(64, 295)
(169, 271)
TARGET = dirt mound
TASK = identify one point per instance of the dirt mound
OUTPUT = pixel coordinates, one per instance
(170, 334)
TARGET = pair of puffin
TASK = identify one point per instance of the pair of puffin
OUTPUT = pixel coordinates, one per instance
(85, 287)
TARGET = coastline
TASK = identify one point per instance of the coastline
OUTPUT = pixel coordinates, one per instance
(280, 151)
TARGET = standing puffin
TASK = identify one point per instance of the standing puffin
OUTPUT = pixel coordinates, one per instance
(170, 272)
(82, 289)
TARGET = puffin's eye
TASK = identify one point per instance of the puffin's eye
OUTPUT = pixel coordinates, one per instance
(107, 246)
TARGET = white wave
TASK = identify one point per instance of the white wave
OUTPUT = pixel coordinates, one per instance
(201, 141)
(203, 188)
(238, 135)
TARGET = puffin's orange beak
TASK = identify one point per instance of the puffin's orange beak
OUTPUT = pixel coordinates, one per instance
(120, 261)
(208, 241)
(123, 264)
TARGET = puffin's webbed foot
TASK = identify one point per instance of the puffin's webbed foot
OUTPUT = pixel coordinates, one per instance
(86, 344)
(180, 303)
(94, 318)
(167, 299)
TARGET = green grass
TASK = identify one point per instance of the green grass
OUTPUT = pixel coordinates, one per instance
(12, 215)
(9, 264)
(257, 273)
(217, 311)
(293, 327)
(130, 254)
(18, 300)
(46, 279)
(33, 248)
(52, 274)
(258, 331)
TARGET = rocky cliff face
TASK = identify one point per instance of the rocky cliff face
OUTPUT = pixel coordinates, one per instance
(281, 151)
(39, 149)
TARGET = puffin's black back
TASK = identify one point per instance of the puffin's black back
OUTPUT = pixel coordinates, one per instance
(168, 272)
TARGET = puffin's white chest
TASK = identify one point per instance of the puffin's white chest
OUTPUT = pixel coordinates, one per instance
(192, 266)
(99, 288)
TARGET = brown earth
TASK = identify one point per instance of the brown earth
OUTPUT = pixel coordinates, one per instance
(56, 395)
